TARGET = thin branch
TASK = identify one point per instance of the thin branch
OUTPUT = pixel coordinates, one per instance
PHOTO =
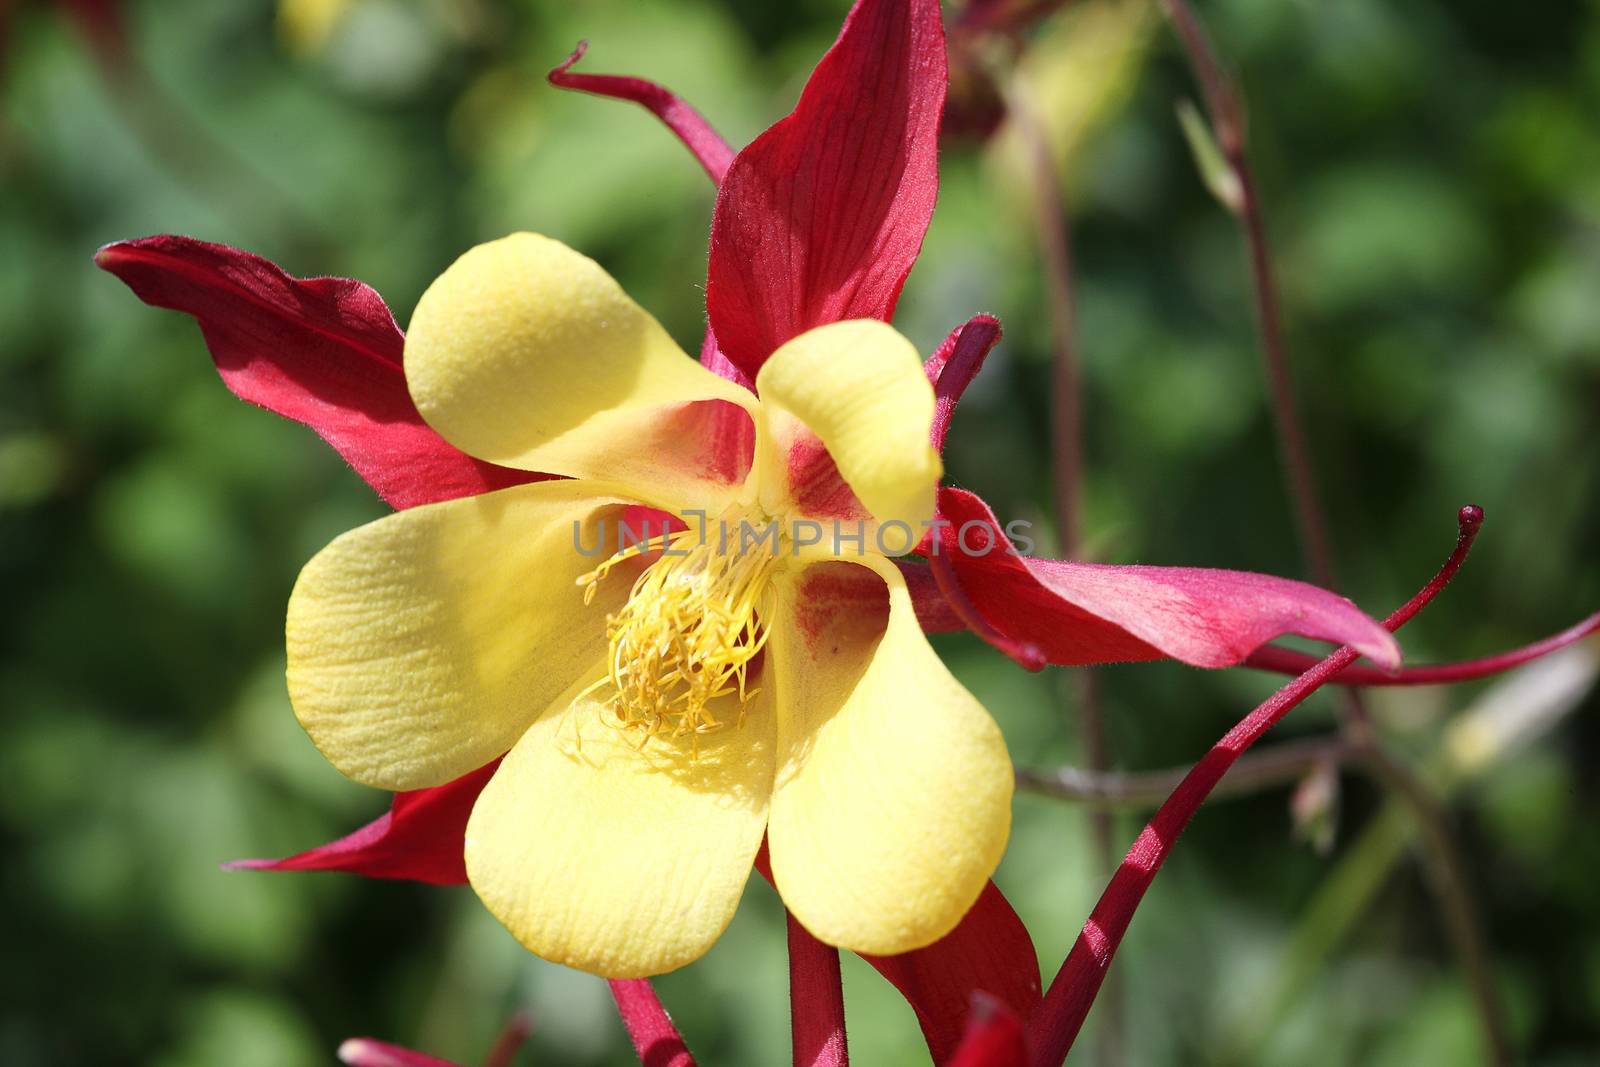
(1253, 773)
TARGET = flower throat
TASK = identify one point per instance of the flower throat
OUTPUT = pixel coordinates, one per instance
(687, 634)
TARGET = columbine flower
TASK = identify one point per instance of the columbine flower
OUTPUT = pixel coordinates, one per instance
(660, 709)
(428, 644)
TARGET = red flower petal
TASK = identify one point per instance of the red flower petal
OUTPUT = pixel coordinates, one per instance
(419, 838)
(688, 124)
(994, 1037)
(989, 951)
(1087, 613)
(321, 351)
(821, 217)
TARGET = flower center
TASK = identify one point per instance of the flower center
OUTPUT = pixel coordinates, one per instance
(689, 630)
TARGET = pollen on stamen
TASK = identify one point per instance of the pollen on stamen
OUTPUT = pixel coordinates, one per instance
(686, 636)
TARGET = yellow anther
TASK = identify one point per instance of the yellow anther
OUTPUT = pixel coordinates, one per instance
(687, 634)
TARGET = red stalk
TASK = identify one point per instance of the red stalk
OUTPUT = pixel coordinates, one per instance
(816, 1001)
(655, 1039)
(1055, 1025)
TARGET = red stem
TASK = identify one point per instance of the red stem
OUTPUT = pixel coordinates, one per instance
(1055, 1025)
(656, 1040)
(816, 1001)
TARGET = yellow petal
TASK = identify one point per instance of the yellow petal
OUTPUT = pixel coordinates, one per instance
(893, 795)
(422, 645)
(860, 388)
(622, 861)
(528, 354)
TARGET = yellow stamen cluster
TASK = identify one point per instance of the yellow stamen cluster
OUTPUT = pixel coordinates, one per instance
(686, 635)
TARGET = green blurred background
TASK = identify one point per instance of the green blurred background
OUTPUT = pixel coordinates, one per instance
(1431, 173)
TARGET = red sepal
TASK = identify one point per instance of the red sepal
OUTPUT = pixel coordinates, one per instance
(322, 351)
(1051, 1030)
(1087, 613)
(821, 217)
(994, 1037)
(420, 838)
(989, 951)
(1288, 661)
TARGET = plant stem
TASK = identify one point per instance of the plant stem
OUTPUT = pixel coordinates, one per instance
(816, 1001)
(1450, 880)
(649, 1027)
(1253, 773)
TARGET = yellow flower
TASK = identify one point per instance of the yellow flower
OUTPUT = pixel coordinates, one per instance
(662, 709)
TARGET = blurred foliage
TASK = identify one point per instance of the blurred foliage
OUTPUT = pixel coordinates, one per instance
(1431, 173)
